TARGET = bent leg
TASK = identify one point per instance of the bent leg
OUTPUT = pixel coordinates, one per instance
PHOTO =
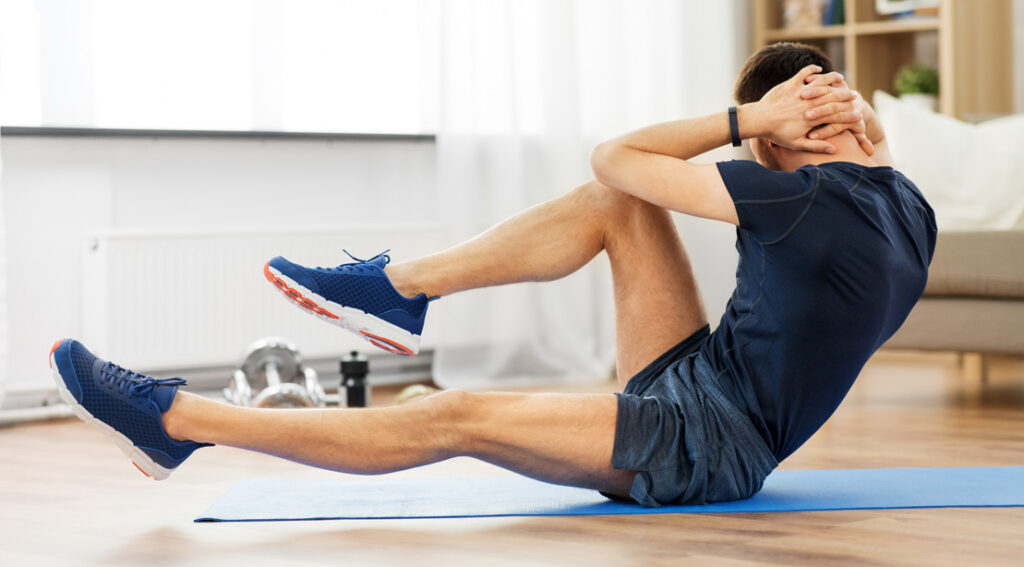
(559, 438)
(657, 303)
(542, 243)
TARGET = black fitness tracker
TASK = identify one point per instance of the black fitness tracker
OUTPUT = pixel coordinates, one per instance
(734, 128)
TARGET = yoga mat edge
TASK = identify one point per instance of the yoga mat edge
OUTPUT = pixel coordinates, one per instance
(408, 497)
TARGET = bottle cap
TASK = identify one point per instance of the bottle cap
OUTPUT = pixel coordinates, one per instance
(354, 365)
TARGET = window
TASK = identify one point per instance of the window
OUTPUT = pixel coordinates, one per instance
(278, 65)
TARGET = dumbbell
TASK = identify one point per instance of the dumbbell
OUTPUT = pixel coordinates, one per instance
(272, 376)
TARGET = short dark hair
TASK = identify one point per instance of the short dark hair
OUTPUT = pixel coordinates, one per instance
(776, 64)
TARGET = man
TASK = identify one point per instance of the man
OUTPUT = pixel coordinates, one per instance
(834, 247)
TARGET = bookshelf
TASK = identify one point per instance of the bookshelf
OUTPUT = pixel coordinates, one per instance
(970, 42)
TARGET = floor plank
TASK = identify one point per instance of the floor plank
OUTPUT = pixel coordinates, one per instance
(70, 497)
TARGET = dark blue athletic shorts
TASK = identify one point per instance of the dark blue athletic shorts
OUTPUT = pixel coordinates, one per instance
(688, 443)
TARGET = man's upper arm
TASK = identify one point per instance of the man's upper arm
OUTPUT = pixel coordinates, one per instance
(768, 203)
(665, 181)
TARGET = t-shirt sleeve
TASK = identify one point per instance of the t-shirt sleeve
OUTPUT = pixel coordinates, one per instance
(768, 203)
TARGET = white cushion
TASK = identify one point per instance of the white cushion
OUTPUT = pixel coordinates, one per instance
(972, 174)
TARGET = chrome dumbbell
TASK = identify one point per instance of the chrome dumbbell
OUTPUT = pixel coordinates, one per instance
(272, 376)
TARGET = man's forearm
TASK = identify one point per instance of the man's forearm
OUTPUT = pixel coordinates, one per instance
(685, 139)
(653, 163)
(616, 162)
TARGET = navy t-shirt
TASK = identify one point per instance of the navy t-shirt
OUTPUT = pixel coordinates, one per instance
(831, 260)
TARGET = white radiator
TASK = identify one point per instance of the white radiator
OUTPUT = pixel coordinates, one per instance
(169, 300)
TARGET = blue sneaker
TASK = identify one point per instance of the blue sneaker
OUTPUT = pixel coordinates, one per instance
(357, 296)
(125, 405)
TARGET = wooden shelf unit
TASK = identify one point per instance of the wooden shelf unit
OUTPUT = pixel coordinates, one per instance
(970, 42)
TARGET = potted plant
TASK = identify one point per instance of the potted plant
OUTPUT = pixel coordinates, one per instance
(918, 84)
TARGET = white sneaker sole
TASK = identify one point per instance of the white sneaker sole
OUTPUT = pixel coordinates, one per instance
(139, 458)
(377, 331)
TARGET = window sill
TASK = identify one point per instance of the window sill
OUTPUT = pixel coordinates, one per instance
(47, 131)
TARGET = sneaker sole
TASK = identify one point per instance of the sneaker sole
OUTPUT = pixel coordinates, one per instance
(139, 458)
(371, 328)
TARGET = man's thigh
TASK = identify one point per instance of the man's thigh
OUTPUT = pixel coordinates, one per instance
(657, 302)
(560, 438)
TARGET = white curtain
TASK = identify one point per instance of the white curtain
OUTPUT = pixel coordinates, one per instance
(3, 289)
(528, 87)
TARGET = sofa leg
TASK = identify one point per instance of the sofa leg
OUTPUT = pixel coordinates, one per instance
(974, 368)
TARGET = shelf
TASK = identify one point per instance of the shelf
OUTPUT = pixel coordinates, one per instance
(862, 28)
(789, 34)
(970, 46)
(896, 26)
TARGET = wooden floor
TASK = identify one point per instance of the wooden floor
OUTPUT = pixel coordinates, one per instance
(67, 496)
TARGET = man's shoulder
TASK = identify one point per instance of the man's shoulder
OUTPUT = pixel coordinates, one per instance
(749, 180)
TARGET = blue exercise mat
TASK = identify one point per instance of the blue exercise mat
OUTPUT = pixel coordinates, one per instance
(784, 491)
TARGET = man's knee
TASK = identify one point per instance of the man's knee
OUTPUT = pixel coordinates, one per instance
(450, 404)
(603, 197)
(617, 209)
(449, 410)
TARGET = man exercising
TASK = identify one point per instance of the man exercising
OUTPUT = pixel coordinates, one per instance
(834, 246)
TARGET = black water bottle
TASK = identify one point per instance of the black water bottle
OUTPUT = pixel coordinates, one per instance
(353, 380)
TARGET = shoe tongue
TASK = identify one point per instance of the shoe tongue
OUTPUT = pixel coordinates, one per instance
(379, 260)
(163, 395)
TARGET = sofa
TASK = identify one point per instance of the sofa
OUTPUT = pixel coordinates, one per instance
(973, 176)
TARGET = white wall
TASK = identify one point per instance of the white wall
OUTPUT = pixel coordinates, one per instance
(56, 190)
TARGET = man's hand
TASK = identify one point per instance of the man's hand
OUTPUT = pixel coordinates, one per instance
(786, 116)
(836, 99)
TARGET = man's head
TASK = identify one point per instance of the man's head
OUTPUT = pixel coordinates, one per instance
(768, 67)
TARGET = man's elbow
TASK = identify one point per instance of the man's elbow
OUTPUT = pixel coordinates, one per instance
(602, 160)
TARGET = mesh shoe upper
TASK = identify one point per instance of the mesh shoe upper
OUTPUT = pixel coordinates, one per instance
(361, 284)
(130, 403)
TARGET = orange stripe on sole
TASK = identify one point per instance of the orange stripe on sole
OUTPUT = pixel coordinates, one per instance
(294, 295)
(387, 344)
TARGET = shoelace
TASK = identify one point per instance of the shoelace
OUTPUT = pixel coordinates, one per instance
(360, 264)
(133, 382)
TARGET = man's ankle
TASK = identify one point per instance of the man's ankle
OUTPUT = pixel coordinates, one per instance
(173, 418)
(403, 282)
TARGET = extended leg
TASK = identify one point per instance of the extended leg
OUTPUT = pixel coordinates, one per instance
(560, 438)
(657, 303)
